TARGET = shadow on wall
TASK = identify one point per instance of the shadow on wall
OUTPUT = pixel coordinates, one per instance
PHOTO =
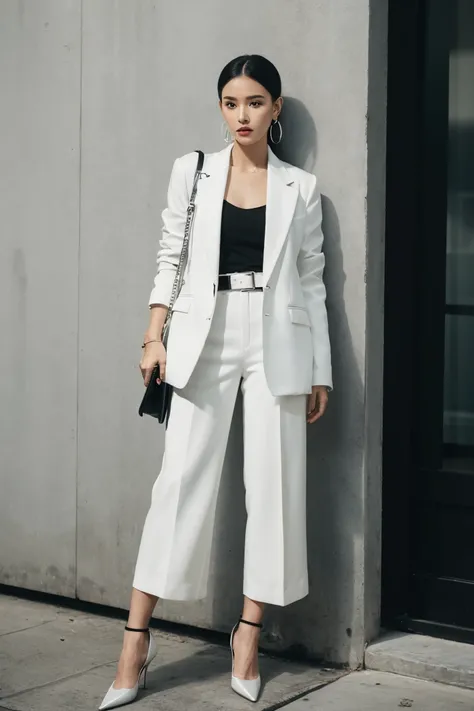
(321, 624)
(299, 143)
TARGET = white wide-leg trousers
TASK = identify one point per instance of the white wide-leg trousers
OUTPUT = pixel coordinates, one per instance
(174, 556)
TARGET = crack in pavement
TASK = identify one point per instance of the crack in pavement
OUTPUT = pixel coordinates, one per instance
(54, 681)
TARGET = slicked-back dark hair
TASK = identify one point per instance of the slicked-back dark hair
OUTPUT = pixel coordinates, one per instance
(256, 67)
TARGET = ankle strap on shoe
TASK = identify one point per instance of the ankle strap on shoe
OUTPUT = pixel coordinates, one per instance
(136, 629)
(247, 622)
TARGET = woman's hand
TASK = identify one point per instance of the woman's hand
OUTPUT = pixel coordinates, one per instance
(317, 403)
(153, 353)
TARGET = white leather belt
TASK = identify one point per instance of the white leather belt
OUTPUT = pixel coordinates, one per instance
(243, 281)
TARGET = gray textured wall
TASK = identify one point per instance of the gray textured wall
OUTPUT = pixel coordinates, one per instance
(101, 97)
(39, 194)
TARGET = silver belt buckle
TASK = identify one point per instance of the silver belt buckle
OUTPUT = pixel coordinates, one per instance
(249, 288)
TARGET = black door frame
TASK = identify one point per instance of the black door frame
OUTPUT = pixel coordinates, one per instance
(417, 142)
(401, 225)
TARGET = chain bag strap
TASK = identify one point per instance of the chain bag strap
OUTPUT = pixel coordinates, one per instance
(183, 257)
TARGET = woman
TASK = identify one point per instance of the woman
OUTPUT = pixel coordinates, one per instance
(252, 312)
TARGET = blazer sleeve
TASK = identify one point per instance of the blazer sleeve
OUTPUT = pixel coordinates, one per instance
(173, 219)
(310, 265)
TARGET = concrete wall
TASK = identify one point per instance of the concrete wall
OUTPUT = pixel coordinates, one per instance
(40, 65)
(80, 244)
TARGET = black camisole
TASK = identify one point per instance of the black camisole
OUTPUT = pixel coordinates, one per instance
(242, 239)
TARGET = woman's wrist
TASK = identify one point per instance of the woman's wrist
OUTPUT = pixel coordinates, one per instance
(154, 332)
(152, 336)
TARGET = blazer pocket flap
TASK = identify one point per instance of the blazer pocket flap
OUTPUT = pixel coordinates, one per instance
(182, 304)
(299, 315)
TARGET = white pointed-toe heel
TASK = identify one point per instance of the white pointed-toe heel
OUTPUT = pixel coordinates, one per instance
(119, 697)
(248, 688)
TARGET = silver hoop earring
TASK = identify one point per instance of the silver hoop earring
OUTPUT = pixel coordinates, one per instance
(226, 133)
(271, 131)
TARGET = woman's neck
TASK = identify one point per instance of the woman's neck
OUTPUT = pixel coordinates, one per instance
(248, 159)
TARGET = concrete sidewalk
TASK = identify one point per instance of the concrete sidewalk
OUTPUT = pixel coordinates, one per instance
(53, 658)
(380, 691)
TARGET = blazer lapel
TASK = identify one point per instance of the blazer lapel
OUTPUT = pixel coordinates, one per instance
(281, 204)
(209, 203)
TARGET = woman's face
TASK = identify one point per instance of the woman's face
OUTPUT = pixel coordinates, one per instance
(246, 104)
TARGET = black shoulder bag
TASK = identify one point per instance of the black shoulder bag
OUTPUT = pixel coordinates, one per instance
(157, 398)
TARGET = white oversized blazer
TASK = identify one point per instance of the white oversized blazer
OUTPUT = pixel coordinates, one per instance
(296, 348)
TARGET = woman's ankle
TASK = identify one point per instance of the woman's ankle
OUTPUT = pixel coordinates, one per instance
(134, 639)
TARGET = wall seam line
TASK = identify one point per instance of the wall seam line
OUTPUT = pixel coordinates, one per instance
(81, 47)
